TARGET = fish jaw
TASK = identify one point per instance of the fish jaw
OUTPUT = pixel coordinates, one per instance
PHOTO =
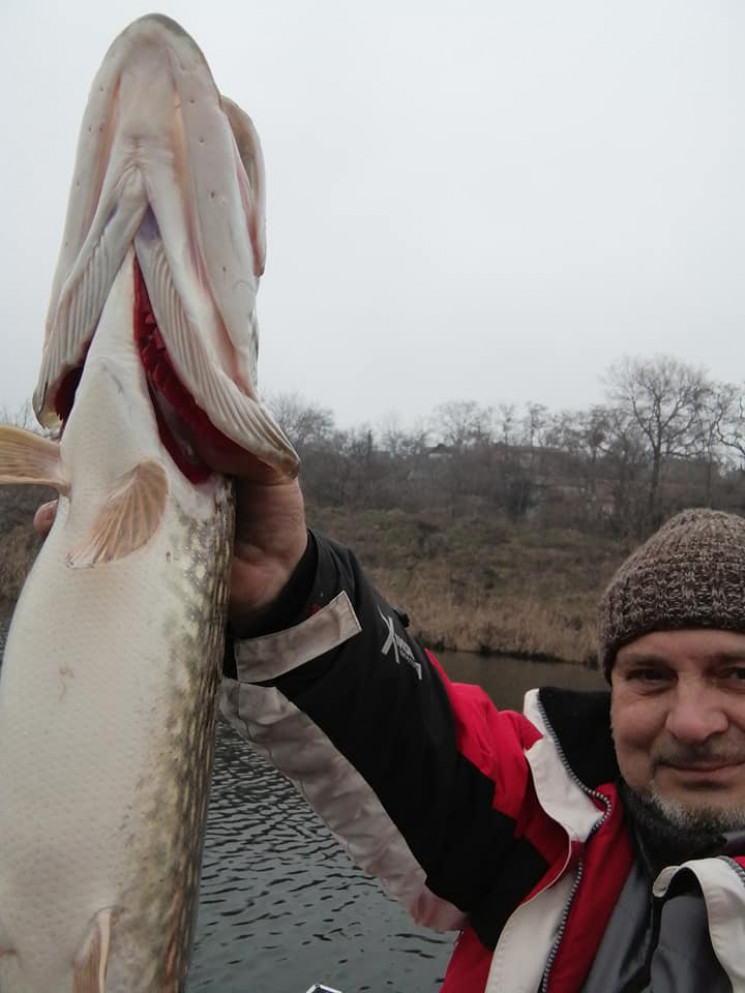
(159, 167)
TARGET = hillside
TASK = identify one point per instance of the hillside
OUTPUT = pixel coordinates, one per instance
(485, 586)
(470, 584)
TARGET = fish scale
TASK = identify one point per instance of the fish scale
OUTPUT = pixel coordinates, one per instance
(106, 810)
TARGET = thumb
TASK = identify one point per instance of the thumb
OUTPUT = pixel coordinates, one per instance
(44, 518)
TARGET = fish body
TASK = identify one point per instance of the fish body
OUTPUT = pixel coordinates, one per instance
(107, 705)
(107, 691)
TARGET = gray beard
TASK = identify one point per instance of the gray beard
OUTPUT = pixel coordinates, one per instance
(670, 833)
(707, 820)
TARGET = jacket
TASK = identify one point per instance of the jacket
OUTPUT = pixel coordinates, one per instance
(507, 827)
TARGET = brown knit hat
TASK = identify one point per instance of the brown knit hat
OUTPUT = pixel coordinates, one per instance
(690, 574)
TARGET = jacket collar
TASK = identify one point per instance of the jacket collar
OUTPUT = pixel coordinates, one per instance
(580, 724)
(560, 793)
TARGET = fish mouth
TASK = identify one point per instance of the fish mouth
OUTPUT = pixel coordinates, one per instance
(181, 423)
(170, 169)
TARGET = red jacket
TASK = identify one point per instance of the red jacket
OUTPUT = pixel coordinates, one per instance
(505, 826)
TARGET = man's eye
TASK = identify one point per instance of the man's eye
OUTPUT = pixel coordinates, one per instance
(649, 675)
(734, 674)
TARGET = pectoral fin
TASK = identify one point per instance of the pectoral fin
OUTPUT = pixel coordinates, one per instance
(26, 457)
(91, 962)
(129, 519)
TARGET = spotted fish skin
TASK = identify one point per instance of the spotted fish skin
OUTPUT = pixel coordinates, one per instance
(114, 654)
(152, 941)
(107, 706)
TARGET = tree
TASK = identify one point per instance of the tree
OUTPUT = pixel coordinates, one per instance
(398, 442)
(305, 423)
(721, 428)
(22, 417)
(665, 400)
(534, 424)
(729, 420)
(506, 423)
(463, 423)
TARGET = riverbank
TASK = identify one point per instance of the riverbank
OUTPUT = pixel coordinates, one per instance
(475, 585)
(18, 542)
(469, 585)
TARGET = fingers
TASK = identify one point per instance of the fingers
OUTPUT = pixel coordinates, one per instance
(44, 518)
(231, 460)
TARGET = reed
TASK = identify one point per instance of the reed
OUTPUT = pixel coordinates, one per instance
(487, 586)
(469, 584)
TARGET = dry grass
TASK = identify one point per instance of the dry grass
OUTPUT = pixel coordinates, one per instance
(18, 541)
(18, 550)
(469, 585)
(484, 586)
(520, 626)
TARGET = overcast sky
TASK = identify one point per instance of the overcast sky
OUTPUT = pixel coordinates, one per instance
(467, 199)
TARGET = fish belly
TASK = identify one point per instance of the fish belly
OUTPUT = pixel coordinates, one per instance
(106, 740)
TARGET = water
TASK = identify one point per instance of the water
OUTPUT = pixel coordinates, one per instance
(507, 680)
(282, 908)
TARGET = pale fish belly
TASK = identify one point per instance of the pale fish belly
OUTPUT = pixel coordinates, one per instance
(107, 712)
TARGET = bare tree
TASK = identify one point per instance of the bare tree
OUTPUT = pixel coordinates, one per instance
(22, 417)
(729, 405)
(664, 399)
(534, 424)
(397, 441)
(586, 437)
(463, 423)
(506, 423)
(306, 423)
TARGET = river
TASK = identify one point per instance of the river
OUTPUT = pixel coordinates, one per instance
(280, 905)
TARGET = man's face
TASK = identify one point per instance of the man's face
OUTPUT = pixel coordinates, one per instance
(678, 712)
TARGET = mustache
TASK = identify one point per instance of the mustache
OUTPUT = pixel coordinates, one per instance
(704, 754)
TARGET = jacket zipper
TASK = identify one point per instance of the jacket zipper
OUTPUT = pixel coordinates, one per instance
(737, 868)
(605, 802)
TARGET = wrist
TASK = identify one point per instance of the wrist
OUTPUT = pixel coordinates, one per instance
(285, 588)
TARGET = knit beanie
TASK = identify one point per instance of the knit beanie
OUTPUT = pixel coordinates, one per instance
(689, 574)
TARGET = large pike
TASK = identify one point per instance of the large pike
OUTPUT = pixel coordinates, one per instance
(114, 654)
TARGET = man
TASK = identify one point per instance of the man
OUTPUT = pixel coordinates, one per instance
(569, 863)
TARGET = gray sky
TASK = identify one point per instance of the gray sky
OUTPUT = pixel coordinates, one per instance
(468, 199)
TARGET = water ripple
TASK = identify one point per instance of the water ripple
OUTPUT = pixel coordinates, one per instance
(280, 905)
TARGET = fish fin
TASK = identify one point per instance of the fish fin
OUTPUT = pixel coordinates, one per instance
(26, 457)
(76, 307)
(93, 959)
(129, 519)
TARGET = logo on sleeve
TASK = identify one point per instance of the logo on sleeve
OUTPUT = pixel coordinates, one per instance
(400, 646)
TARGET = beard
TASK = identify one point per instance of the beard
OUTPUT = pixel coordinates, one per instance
(669, 833)
(697, 820)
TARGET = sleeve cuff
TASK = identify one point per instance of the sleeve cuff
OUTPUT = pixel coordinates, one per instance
(270, 656)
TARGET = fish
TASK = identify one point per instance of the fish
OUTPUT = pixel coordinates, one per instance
(114, 654)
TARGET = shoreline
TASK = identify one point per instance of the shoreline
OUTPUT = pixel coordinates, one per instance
(487, 652)
(491, 588)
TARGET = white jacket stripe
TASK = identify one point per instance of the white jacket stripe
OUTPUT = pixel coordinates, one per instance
(520, 956)
(273, 655)
(338, 793)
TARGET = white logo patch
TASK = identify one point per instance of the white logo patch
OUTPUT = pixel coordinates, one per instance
(399, 645)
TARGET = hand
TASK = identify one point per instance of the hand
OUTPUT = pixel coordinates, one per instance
(270, 532)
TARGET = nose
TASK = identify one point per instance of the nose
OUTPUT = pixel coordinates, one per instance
(696, 713)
